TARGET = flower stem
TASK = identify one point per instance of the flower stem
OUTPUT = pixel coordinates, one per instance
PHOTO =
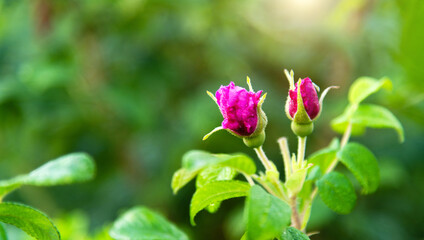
(285, 151)
(249, 179)
(271, 168)
(301, 149)
(261, 155)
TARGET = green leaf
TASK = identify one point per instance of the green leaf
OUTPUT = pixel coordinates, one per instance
(292, 233)
(266, 215)
(181, 177)
(375, 116)
(212, 174)
(324, 157)
(368, 115)
(365, 86)
(140, 223)
(71, 168)
(216, 192)
(238, 162)
(340, 123)
(3, 235)
(30, 220)
(195, 161)
(337, 192)
(363, 164)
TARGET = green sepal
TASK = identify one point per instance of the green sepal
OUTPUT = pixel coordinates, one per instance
(301, 116)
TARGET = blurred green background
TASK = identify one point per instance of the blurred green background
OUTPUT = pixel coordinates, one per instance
(125, 81)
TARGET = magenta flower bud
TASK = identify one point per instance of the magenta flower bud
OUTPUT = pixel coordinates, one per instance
(241, 109)
(303, 105)
(309, 98)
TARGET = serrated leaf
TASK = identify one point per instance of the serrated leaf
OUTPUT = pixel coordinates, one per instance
(363, 164)
(337, 192)
(365, 86)
(369, 115)
(71, 168)
(216, 192)
(266, 215)
(140, 223)
(28, 219)
(292, 233)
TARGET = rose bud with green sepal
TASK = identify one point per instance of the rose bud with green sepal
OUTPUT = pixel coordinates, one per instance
(242, 112)
(303, 105)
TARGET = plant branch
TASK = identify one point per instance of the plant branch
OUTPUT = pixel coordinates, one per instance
(333, 164)
(295, 214)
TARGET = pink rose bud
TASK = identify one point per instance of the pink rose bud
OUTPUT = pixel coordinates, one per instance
(241, 109)
(303, 105)
(309, 97)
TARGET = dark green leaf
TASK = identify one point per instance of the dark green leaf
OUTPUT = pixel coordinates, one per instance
(337, 192)
(71, 168)
(365, 86)
(30, 220)
(292, 233)
(216, 192)
(140, 223)
(363, 164)
(266, 215)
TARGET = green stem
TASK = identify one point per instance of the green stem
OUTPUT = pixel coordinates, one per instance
(285, 151)
(296, 218)
(296, 222)
(261, 155)
(333, 164)
(301, 149)
(249, 179)
(274, 180)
